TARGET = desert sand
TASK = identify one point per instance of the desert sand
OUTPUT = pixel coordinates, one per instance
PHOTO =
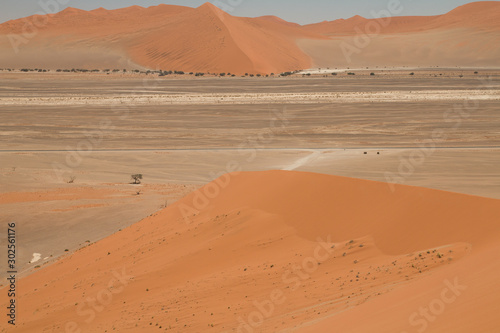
(199, 260)
(360, 193)
(184, 146)
(455, 38)
(334, 249)
(479, 15)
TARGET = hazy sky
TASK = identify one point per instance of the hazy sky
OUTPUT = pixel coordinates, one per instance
(300, 11)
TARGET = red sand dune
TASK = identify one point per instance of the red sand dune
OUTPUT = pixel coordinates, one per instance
(466, 37)
(206, 39)
(173, 38)
(267, 251)
(483, 15)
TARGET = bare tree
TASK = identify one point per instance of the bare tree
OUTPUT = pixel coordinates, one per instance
(137, 178)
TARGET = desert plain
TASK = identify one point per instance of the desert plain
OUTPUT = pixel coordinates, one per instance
(330, 198)
(66, 171)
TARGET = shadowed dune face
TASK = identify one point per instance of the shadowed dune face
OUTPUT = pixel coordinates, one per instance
(162, 37)
(206, 39)
(292, 245)
(400, 221)
(209, 39)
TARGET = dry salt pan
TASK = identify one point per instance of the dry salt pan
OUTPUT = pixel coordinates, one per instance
(36, 257)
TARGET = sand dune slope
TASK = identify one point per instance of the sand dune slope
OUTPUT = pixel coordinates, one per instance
(483, 15)
(162, 37)
(209, 38)
(467, 36)
(459, 298)
(266, 251)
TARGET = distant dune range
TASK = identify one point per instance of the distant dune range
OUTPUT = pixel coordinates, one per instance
(206, 39)
(209, 261)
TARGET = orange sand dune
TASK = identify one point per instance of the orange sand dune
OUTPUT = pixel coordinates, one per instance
(206, 39)
(209, 38)
(267, 251)
(467, 36)
(484, 15)
(430, 305)
(276, 19)
(168, 37)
